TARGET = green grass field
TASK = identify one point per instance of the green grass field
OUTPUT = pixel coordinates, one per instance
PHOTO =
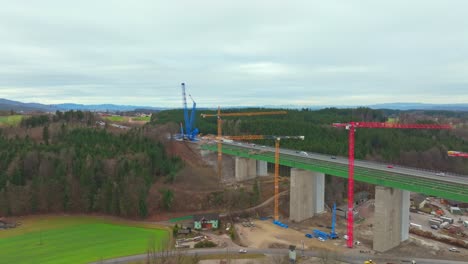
(75, 240)
(115, 118)
(11, 120)
(142, 118)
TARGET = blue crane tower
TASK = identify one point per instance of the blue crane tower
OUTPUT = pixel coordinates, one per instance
(190, 133)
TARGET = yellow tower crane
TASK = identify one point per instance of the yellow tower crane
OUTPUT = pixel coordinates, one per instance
(277, 157)
(218, 138)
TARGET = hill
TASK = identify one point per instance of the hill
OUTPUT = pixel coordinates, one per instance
(8, 105)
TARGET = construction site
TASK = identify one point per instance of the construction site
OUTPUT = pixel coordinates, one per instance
(329, 204)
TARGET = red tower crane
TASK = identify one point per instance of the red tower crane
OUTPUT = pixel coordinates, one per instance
(452, 153)
(351, 126)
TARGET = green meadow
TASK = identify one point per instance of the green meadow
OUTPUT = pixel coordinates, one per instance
(11, 120)
(76, 240)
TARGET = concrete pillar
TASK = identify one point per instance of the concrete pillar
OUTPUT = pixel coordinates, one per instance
(319, 192)
(405, 222)
(262, 168)
(245, 169)
(391, 217)
(307, 194)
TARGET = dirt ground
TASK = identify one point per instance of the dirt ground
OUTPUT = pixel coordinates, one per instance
(265, 234)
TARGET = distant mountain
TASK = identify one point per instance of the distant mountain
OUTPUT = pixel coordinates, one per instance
(7, 105)
(392, 106)
(104, 107)
(421, 106)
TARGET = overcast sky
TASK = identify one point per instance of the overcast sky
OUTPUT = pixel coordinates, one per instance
(234, 52)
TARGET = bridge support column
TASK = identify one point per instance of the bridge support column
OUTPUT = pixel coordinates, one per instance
(262, 168)
(307, 194)
(245, 169)
(391, 224)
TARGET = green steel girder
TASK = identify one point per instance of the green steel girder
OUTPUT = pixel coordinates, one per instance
(447, 190)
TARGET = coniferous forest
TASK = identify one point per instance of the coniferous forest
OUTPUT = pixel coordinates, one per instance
(79, 168)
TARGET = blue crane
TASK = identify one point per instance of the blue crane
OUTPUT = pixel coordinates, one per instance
(333, 234)
(189, 134)
(323, 235)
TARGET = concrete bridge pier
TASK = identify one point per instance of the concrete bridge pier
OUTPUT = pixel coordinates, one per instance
(262, 168)
(245, 169)
(307, 195)
(391, 224)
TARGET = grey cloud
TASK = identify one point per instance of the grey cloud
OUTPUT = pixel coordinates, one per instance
(234, 53)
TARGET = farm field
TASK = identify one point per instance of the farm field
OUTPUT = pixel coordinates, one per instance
(71, 239)
(142, 118)
(115, 118)
(11, 120)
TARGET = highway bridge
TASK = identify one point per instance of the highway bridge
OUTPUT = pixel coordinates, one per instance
(444, 185)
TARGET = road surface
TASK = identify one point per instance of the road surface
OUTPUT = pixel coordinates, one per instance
(358, 259)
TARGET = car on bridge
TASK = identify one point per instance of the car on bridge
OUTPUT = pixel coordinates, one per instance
(242, 251)
(390, 166)
(440, 174)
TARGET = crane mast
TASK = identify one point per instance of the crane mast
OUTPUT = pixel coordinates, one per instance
(277, 158)
(351, 127)
(218, 115)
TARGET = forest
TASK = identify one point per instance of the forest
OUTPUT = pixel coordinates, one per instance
(80, 169)
(417, 148)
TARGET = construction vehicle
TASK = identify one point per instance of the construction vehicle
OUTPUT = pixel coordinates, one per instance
(332, 235)
(370, 261)
(189, 133)
(219, 121)
(351, 127)
(277, 156)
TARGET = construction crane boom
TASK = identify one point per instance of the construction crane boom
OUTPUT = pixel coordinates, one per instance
(351, 126)
(277, 156)
(452, 153)
(184, 104)
(220, 122)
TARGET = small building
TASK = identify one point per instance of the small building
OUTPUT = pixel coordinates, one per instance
(455, 210)
(292, 254)
(206, 221)
(184, 231)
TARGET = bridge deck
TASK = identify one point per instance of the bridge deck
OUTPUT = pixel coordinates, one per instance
(454, 188)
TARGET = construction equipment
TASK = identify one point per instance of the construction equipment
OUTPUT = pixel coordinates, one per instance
(452, 153)
(351, 126)
(333, 234)
(190, 133)
(219, 121)
(277, 155)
